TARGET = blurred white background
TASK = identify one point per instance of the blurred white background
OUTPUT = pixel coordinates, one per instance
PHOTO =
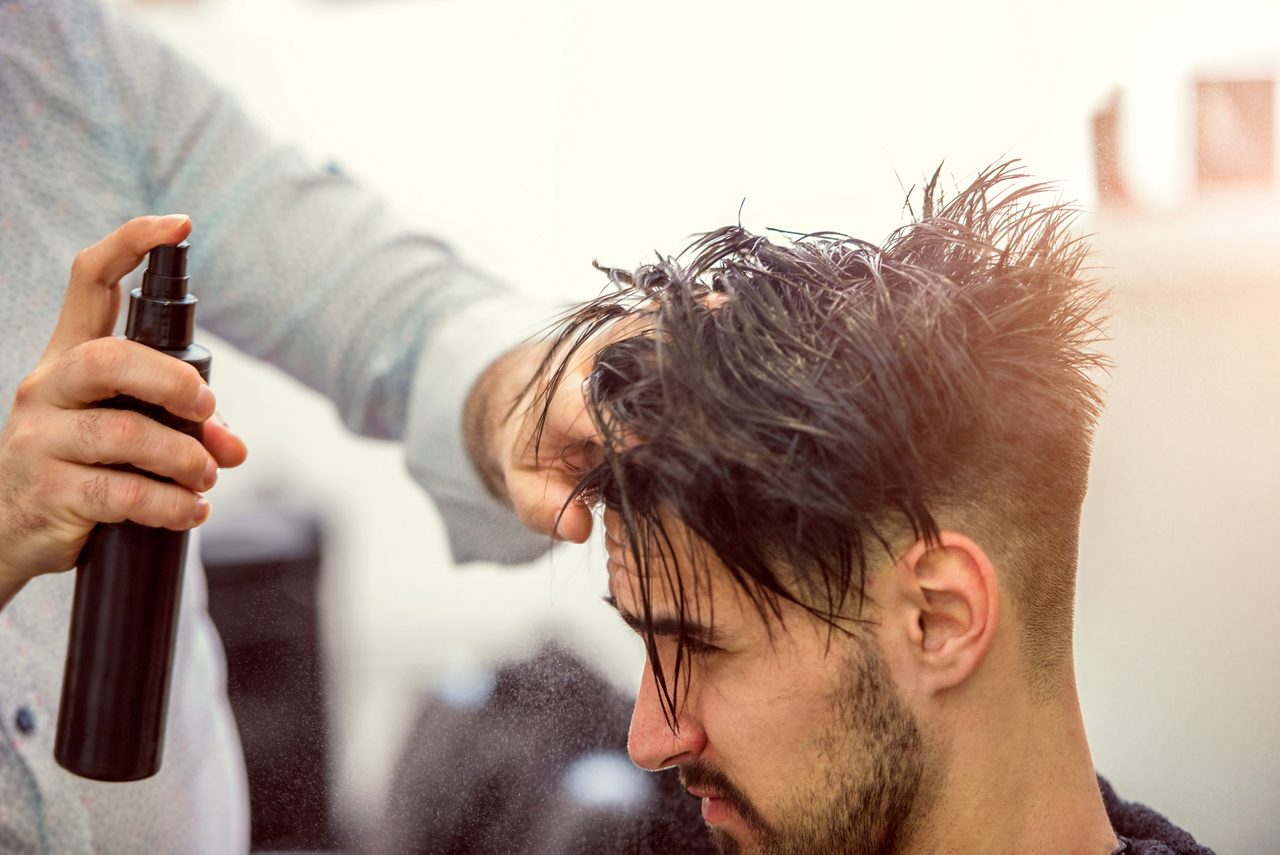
(537, 135)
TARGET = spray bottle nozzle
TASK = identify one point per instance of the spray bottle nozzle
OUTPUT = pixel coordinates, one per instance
(166, 276)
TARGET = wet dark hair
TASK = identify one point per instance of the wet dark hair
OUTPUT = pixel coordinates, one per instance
(803, 406)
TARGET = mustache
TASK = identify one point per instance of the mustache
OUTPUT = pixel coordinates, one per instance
(704, 777)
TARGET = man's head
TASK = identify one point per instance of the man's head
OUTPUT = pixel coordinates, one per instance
(842, 486)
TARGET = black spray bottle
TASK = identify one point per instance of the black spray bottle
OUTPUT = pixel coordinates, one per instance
(124, 619)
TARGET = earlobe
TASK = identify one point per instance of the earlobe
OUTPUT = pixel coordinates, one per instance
(954, 591)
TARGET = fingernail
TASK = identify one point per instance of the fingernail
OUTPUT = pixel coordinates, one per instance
(220, 420)
(204, 400)
(202, 510)
(210, 474)
(171, 221)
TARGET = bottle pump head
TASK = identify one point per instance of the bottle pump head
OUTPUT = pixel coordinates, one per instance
(166, 276)
(161, 313)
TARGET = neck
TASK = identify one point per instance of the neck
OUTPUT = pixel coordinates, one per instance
(1019, 778)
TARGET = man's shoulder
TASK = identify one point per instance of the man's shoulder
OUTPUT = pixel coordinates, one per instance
(1145, 831)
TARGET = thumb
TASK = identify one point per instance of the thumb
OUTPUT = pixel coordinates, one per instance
(92, 303)
(542, 502)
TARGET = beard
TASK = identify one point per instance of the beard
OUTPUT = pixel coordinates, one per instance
(867, 801)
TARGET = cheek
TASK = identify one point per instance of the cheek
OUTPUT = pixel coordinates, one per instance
(768, 726)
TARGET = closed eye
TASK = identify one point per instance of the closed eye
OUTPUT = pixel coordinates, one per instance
(698, 647)
(694, 637)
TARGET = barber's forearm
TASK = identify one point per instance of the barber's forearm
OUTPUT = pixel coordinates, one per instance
(455, 424)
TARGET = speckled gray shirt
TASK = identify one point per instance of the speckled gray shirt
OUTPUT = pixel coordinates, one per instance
(98, 124)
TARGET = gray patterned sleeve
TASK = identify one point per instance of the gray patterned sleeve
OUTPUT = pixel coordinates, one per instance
(304, 268)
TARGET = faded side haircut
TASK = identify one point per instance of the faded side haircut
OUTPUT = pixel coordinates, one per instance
(810, 407)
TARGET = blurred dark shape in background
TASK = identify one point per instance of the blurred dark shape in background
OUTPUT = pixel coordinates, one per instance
(263, 566)
(532, 759)
(1235, 133)
(1112, 190)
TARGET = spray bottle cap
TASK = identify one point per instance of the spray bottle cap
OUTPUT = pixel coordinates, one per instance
(166, 276)
(161, 313)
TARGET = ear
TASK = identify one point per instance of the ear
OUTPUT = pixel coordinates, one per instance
(947, 607)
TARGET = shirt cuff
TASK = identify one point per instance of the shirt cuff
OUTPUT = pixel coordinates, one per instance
(480, 528)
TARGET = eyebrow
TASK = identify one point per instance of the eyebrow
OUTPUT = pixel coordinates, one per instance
(665, 625)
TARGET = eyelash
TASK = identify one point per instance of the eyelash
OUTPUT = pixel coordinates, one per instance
(694, 647)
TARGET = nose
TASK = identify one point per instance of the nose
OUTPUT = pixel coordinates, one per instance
(651, 742)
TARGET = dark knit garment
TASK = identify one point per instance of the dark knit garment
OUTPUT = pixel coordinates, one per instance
(494, 777)
(1143, 831)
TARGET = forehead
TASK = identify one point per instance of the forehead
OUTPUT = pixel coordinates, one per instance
(702, 603)
(679, 575)
(663, 553)
(678, 568)
(683, 586)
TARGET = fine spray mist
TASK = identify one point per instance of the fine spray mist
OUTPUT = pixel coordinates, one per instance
(124, 619)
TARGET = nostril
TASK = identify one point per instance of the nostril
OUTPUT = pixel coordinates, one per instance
(654, 746)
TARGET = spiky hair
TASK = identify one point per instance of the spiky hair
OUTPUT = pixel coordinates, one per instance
(806, 407)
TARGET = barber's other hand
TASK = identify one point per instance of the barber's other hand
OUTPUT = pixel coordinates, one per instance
(536, 481)
(55, 447)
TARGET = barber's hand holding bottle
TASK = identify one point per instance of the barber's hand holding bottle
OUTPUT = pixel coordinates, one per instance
(55, 448)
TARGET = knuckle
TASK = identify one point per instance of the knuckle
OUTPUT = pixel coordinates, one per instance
(22, 440)
(132, 495)
(106, 357)
(126, 430)
(169, 506)
(96, 492)
(88, 430)
(28, 389)
(181, 508)
(185, 382)
(82, 263)
(197, 458)
(90, 357)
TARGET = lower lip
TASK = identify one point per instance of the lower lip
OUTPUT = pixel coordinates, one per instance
(715, 811)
